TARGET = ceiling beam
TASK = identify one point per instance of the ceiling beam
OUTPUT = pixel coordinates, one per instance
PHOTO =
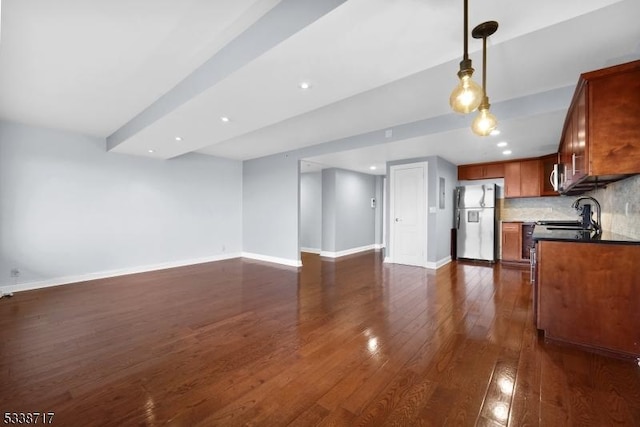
(285, 19)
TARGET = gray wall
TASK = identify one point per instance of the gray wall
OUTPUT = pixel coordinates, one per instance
(311, 210)
(350, 219)
(270, 207)
(444, 217)
(440, 222)
(379, 209)
(329, 210)
(69, 208)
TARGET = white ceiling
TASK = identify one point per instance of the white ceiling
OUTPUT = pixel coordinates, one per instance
(120, 70)
(91, 65)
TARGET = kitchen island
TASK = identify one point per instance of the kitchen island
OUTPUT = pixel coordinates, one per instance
(587, 289)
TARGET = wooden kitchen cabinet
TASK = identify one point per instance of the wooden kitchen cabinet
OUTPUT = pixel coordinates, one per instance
(530, 178)
(516, 241)
(573, 145)
(587, 294)
(511, 241)
(480, 171)
(522, 178)
(512, 180)
(601, 135)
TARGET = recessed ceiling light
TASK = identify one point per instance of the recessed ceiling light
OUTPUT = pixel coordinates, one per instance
(225, 119)
(372, 168)
(495, 132)
(304, 85)
(506, 152)
(150, 151)
(502, 144)
(178, 138)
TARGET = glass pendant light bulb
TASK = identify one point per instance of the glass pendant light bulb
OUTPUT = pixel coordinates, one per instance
(466, 97)
(484, 122)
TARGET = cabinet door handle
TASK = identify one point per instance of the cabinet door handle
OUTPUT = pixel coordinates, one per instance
(573, 163)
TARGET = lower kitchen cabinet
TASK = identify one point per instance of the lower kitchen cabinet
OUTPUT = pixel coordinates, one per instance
(589, 294)
(516, 241)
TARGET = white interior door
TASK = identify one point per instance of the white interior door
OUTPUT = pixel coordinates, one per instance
(408, 214)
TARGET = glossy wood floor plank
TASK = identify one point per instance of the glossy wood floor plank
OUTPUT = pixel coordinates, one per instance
(340, 342)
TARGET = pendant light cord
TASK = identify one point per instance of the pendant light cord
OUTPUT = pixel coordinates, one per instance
(484, 66)
(465, 54)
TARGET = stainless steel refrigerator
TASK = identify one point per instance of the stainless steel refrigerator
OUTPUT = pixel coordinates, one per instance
(475, 221)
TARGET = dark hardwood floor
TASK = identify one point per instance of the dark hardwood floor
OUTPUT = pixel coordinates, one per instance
(345, 342)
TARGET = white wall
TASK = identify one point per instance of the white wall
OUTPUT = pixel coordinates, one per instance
(68, 208)
(311, 211)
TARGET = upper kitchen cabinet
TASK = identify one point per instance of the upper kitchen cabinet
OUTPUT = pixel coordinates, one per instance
(522, 178)
(601, 135)
(481, 171)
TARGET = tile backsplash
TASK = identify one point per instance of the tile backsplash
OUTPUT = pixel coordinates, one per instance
(537, 208)
(620, 207)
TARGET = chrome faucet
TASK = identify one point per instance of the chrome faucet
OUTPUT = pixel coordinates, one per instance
(597, 225)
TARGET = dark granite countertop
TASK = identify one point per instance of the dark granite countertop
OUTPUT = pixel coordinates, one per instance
(541, 232)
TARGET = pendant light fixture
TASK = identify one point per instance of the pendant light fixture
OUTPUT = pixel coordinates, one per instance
(467, 95)
(484, 122)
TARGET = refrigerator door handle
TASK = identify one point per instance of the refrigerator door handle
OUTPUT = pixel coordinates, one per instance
(458, 219)
(484, 193)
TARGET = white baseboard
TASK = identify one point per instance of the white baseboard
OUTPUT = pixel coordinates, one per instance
(275, 260)
(347, 251)
(66, 280)
(439, 263)
(378, 246)
(430, 265)
(311, 250)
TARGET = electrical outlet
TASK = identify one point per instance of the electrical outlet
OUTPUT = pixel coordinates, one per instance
(15, 272)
